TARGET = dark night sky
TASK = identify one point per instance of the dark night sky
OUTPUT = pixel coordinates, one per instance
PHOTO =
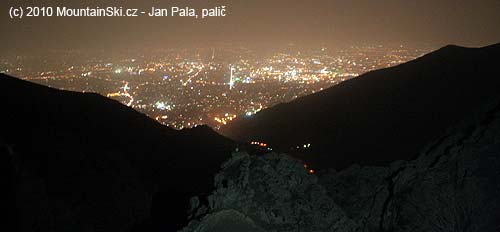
(260, 22)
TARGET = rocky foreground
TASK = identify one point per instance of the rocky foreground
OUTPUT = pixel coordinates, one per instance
(454, 185)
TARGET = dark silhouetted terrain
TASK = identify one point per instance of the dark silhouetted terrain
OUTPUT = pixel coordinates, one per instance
(82, 162)
(453, 185)
(381, 116)
(88, 163)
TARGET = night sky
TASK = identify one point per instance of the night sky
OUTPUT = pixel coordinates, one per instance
(260, 23)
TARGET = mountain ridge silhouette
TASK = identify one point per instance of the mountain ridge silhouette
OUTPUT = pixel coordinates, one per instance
(82, 151)
(382, 115)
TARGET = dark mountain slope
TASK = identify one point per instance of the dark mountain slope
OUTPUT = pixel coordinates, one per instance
(85, 160)
(389, 113)
(453, 185)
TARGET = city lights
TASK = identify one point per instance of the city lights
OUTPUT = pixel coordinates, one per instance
(186, 88)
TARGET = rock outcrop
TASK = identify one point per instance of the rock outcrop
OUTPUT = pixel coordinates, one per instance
(454, 185)
(275, 192)
(226, 221)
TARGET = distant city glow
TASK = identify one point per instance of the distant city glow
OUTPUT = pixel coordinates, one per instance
(209, 86)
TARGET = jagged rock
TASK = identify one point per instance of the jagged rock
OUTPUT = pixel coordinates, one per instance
(453, 186)
(225, 221)
(359, 192)
(277, 193)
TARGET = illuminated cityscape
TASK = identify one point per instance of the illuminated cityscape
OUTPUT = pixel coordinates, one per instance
(184, 88)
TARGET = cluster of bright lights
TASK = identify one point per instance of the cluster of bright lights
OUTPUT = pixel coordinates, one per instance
(307, 145)
(225, 119)
(163, 106)
(202, 89)
(254, 111)
(123, 93)
(260, 144)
